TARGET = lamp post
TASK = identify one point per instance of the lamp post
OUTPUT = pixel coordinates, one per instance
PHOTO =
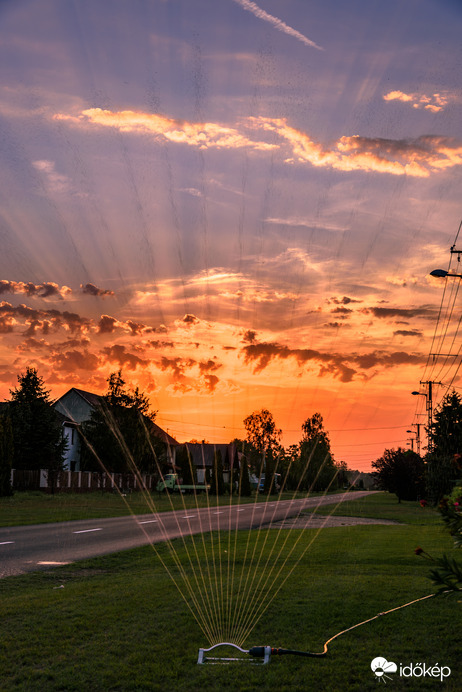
(442, 273)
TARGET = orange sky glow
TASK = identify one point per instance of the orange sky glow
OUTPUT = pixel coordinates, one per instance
(238, 209)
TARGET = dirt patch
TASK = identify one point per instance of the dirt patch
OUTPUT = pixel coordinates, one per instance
(317, 521)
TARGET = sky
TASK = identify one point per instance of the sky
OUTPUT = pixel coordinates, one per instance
(237, 204)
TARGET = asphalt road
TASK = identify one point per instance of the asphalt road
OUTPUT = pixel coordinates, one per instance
(29, 548)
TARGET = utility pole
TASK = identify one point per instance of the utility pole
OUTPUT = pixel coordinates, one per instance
(429, 399)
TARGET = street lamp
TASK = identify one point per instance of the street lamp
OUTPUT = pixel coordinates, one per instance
(442, 273)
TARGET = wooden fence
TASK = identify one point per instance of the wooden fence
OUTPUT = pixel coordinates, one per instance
(81, 481)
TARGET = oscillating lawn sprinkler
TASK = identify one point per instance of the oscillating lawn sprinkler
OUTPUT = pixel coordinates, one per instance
(259, 655)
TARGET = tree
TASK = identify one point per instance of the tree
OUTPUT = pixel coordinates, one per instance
(38, 436)
(264, 439)
(400, 472)
(446, 433)
(6, 455)
(241, 467)
(217, 485)
(262, 432)
(119, 437)
(446, 430)
(184, 461)
(316, 468)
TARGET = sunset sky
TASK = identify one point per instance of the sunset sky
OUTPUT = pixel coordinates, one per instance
(236, 203)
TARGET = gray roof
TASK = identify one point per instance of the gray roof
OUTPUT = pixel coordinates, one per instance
(203, 453)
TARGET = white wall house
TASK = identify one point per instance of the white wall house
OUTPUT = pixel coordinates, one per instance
(75, 407)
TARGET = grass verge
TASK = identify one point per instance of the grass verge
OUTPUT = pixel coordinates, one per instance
(384, 506)
(120, 624)
(35, 507)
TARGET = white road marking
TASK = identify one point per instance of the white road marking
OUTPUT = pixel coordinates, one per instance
(189, 516)
(150, 521)
(6, 542)
(87, 530)
(218, 512)
(49, 562)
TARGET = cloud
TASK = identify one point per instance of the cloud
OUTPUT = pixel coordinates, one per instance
(44, 319)
(341, 366)
(119, 355)
(75, 360)
(48, 289)
(408, 313)
(418, 157)
(182, 383)
(107, 324)
(277, 23)
(434, 103)
(56, 182)
(412, 157)
(202, 135)
(408, 332)
(92, 290)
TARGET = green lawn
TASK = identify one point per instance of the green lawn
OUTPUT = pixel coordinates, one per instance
(39, 508)
(384, 506)
(119, 622)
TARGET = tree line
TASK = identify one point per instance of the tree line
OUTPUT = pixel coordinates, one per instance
(120, 436)
(432, 476)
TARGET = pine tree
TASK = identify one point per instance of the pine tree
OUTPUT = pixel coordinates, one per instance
(38, 437)
(6, 455)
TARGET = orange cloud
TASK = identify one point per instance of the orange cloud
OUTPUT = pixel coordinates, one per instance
(92, 290)
(418, 158)
(202, 135)
(48, 289)
(434, 103)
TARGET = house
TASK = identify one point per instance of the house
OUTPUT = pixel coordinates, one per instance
(203, 457)
(74, 408)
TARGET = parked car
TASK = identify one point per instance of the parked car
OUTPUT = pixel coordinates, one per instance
(277, 482)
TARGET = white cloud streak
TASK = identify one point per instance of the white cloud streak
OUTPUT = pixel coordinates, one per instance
(277, 23)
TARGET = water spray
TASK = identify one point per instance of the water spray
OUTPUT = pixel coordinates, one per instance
(261, 655)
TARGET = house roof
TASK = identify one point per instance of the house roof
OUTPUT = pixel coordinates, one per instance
(90, 397)
(203, 453)
(93, 400)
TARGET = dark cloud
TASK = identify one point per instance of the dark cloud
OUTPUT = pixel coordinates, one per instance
(135, 327)
(48, 289)
(249, 336)
(75, 360)
(92, 290)
(160, 344)
(408, 332)
(107, 324)
(342, 312)
(6, 324)
(409, 313)
(44, 319)
(118, 354)
(344, 367)
(345, 300)
(190, 319)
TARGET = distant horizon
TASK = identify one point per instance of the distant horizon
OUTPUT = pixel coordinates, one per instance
(238, 205)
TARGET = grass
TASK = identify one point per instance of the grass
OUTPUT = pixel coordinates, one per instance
(384, 506)
(36, 507)
(119, 623)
